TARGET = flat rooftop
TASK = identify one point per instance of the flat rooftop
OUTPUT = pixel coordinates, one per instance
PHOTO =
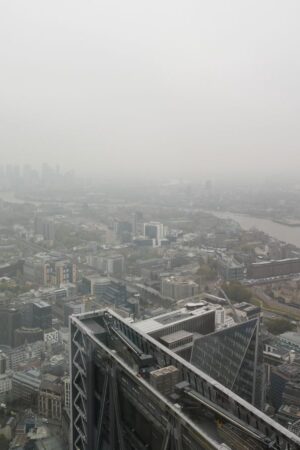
(41, 304)
(174, 337)
(291, 336)
(180, 315)
(136, 338)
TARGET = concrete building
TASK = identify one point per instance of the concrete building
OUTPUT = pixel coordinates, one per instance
(200, 320)
(291, 340)
(115, 266)
(72, 308)
(50, 399)
(112, 265)
(230, 269)
(49, 270)
(51, 337)
(26, 353)
(28, 335)
(178, 288)
(25, 386)
(247, 311)
(268, 269)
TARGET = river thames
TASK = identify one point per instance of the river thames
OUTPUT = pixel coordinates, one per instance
(284, 233)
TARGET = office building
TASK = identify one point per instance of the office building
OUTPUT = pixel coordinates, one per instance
(234, 357)
(246, 310)
(3, 362)
(122, 227)
(42, 315)
(200, 320)
(116, 404)
(63, 272)
(291, 340)
(49, 270)
(141, 241)
(28, 335)
(25, 386)
(154, 231)
(10, 321)
(106, 290)
(35, 270)
(112, 265)
(5, 386)
(115, 266)
(45, 227)
(24, 354)
(178, 288)
(230, 269)
(50, 398)
(72, 308)
(268, 269)
(51, 337)
(281, 376)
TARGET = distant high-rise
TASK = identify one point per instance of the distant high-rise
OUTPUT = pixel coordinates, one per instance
(115, 265)
(10, 320)
(3, 362)
(45, 227)
(155, 231)
(42, 315)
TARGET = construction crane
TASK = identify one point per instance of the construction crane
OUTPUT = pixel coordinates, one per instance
(235, 315)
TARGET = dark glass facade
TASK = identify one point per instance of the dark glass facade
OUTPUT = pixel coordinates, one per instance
(233, 356)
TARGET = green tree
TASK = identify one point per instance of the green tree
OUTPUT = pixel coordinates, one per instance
(237, 292)
(206, 273)
(279, 326)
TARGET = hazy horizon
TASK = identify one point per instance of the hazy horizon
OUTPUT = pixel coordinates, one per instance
(173, 88)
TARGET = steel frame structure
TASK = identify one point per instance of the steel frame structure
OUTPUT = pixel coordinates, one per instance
(96, 417)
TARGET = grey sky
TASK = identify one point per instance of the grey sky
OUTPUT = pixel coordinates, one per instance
(181, 87)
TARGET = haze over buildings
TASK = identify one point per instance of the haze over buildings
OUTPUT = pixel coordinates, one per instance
(149, 225)
(148, 89)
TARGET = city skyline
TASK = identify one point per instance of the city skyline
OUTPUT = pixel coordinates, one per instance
(176, 90)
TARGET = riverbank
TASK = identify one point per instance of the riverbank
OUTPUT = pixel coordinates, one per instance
(287, 222)
(284, 233)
